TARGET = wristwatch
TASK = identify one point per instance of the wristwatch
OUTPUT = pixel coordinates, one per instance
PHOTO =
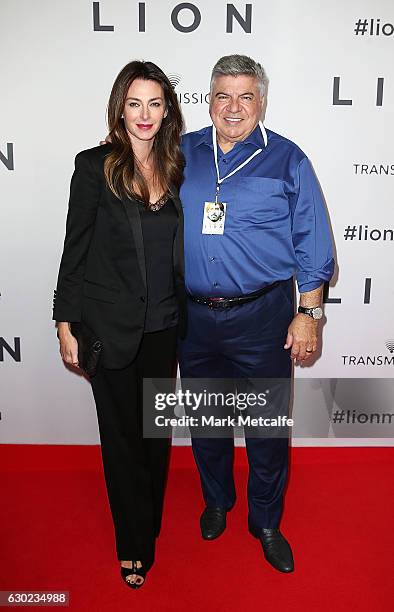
(316, 313)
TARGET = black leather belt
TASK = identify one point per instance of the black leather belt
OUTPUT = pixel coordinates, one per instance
(229, 302)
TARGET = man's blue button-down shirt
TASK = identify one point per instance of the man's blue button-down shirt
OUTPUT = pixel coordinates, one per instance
(276, 224)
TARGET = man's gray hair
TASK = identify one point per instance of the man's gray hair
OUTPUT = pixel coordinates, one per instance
(234, 65)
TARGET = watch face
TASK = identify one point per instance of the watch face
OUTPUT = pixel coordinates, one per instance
(317, 313)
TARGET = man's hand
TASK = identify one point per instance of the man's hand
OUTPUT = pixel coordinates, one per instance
(302, 332)
(302, 338)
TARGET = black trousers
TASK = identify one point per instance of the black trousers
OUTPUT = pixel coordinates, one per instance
(135, 468)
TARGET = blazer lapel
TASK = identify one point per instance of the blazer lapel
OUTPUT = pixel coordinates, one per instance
(134, 218)
(177, 202)
(178, 242)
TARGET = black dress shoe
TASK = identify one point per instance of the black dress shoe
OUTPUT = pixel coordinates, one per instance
(213, 523)
(276, 548)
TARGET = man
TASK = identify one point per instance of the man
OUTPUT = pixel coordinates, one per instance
(239, 281)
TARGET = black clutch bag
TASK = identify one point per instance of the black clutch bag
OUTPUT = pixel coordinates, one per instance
(89, 348)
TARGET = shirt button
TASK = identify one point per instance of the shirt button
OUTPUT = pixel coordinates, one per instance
(211, 259)
(142, 298)
(216, 284)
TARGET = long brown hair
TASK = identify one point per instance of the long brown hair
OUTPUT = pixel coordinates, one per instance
(122, 174)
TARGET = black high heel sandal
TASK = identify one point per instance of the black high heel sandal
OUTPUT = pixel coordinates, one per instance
(134, 570)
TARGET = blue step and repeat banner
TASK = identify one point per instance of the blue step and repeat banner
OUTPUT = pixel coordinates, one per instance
(331, 91)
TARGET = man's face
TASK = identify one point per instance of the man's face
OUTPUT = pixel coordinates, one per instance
(215, 212)
(236, 105)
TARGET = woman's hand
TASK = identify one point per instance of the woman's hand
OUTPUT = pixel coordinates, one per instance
(68, 344)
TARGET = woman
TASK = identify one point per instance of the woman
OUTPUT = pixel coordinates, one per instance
(121, 274)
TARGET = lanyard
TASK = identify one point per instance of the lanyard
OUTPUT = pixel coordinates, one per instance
(219, 180)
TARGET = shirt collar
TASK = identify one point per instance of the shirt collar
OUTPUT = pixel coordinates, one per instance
(255, 138)
(205, 137)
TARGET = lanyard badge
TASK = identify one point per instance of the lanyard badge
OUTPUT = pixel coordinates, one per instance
(215, 212)
(214, 217)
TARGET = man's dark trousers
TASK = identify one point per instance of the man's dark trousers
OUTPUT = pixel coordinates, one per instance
(242, 342)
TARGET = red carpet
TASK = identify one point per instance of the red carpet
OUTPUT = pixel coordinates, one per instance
(56, 533)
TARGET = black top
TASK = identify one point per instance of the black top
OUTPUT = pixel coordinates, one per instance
(159, 229)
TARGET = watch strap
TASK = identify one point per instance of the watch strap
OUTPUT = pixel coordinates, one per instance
(311, 311)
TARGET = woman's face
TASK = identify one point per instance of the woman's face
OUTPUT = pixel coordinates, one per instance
(144, 109)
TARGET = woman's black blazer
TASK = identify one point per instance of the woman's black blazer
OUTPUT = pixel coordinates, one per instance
(102, 275)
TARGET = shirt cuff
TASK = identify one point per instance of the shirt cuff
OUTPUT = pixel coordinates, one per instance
(308, 281)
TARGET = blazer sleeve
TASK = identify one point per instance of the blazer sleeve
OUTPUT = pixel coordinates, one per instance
(81, 217)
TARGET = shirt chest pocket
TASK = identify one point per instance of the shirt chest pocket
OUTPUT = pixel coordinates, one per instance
(260, 201)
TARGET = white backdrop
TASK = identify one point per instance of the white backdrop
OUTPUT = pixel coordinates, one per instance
(58, 66)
